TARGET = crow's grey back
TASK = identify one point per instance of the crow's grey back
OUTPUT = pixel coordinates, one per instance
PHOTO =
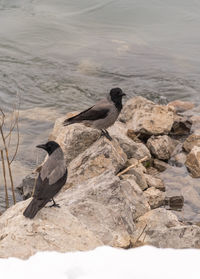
(54, 168)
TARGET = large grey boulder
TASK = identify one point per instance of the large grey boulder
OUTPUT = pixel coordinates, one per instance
(108, 207)
(103, 155)
(99, 211)
(74, 139)
(161, 228)
(53, 229)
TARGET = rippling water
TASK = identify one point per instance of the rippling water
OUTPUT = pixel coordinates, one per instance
(64, 55)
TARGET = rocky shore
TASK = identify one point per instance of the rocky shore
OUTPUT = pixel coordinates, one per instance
(141, 188)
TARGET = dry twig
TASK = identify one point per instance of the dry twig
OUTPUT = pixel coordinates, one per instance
(5, 180)
(132, 166)
(6, 140)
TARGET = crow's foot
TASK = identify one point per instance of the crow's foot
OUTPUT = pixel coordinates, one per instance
(106, 134)
(54, 204)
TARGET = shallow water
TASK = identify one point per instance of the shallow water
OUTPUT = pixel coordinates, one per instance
(64, 55)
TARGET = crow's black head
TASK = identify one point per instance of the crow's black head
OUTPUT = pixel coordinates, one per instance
(116, 95)
(50, 146)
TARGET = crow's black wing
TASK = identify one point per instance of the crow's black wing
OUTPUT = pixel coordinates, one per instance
(91, 114)
(46, 191)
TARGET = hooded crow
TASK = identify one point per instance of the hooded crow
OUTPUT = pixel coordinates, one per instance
(103, 114)
(51, 179)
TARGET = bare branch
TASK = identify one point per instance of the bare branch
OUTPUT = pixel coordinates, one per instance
(3, 117)
(133, 166)
(17, 145)
(8, 163)
(5, 180)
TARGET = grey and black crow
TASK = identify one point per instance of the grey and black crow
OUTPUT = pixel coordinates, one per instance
(103, 114)
(51, 179)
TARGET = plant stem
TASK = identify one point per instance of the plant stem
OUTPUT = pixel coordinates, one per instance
(5, 181)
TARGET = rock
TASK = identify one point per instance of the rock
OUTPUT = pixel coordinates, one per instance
(179, 237)
(147, 118)
(181, 106)
(161, 228)
(158, 218)
(160, 165)
(132, 135)
(154, 182)
(195, 122)
(161, 147)
(152, 171)
(26, 187)
(53, 229)
(132, 149)
(193, 161)
(132, 105)
(137, 174)
(103, 155)
(140, 201)
(179, 159)
(74, 139)
(58, 126)
(191, 141)
(154, 197)
(105, 207)
(174, 202)
(100, 211)
(179, 183)
(181, 126)
(108, 207)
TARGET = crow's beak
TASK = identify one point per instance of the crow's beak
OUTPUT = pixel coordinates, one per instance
(43, 146)
(123, 94)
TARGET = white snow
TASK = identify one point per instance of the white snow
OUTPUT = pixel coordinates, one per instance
(106, 263)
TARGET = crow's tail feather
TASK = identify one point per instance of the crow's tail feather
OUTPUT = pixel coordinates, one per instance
(33, 208)
(71, 120)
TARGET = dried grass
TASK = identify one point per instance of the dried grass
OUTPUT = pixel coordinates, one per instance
(6, 138)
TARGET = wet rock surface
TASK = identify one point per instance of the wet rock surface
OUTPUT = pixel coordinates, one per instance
(130, 191)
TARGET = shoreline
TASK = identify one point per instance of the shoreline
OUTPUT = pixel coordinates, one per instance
(134, 208)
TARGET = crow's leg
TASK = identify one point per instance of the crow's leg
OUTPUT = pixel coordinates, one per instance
(107, 135)
(54, 204)
(102, 133)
